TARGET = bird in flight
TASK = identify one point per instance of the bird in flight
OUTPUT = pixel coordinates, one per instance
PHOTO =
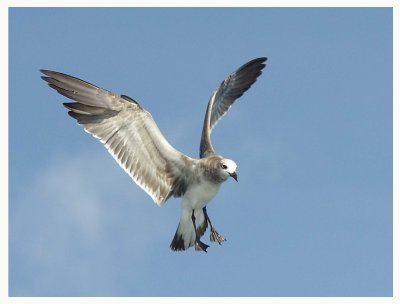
(132, 137)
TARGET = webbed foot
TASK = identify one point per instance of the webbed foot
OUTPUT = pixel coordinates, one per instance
(216, 237)
(200, 246)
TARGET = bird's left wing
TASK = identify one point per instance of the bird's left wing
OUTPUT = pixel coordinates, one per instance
(225, 95)
(129, 133)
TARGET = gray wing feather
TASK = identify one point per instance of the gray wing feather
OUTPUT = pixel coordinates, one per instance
(225, 95)
(129, 133)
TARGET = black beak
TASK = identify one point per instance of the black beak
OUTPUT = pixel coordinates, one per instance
(234, 175)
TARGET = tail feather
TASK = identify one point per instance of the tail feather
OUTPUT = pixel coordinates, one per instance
(185, 235)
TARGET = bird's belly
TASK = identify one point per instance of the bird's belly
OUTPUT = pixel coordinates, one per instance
(198, 196)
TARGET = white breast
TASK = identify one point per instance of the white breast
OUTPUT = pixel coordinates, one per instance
(200, 194)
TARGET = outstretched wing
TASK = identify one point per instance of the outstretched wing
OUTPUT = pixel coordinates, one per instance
(129, 133)
(225, 95)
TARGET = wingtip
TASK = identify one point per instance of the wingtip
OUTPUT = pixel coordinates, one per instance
(49, 73)
(259, 60)
(68, 105)
(46, 72)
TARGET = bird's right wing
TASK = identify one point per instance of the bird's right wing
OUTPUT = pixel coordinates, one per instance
(129, 133)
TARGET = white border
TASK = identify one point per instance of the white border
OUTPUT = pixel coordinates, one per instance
(4, 155)
(4, 5)
(396, 226)
(204, 3)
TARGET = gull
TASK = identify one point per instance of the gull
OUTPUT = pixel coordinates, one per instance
(132, 137)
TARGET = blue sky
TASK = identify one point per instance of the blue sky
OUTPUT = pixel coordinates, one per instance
(312, 212)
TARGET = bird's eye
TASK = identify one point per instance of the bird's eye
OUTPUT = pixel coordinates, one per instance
(224, 166)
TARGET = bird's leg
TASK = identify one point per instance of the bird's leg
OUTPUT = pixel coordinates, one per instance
(198, 245)
(214, 235)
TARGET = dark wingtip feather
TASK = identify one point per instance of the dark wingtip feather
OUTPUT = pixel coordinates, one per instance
(258, 62)
(45, 78)
(252, 69)
(49, 72)
(260, 59)
(88, 114)
(129, 99)
(58, 76)
(74, 115)
(68, 105)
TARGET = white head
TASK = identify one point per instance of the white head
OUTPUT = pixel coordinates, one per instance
(228, 169)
